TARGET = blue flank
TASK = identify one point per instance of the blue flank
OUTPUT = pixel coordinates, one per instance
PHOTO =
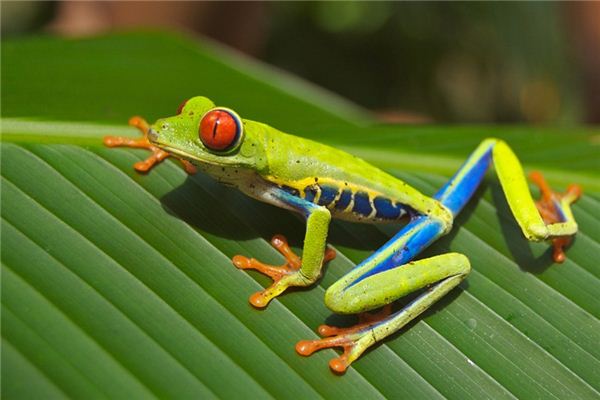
(362, 205)
(385, 208)
(309, 193)
(455, 194)
(344, 199)
(328, 194)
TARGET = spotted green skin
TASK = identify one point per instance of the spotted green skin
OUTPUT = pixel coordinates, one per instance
(322, 182)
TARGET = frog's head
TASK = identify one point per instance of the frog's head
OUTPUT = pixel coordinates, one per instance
(209, 136)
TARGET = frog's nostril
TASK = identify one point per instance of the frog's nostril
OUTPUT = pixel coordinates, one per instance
(152, 135)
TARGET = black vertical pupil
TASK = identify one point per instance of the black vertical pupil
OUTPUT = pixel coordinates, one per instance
(215, 126)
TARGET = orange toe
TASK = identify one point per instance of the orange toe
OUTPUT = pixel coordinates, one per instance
(283, 276)
(143, 143)
(339, 364)
(548, 206)
(258, 300)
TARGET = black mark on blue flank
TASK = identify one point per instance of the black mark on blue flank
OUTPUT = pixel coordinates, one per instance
(328, 194)
(385, 208)
(344, 200)
(310, 192)
(362, 205)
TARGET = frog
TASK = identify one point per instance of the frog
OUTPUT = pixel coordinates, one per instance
(321, 183)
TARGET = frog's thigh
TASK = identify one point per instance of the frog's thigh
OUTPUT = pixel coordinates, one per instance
(385, 287)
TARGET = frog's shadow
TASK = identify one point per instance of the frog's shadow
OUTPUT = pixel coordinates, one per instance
(222, 211)
(518, 246)
(203, 204)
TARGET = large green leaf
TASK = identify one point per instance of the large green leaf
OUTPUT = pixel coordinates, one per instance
(116, 284)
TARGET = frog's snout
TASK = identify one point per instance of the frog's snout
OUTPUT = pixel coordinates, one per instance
(152, 135)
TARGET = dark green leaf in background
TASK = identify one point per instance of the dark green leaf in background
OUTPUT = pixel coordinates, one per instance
(117, 284)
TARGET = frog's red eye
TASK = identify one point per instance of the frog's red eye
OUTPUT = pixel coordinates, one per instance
(220, 129)
(180, 108)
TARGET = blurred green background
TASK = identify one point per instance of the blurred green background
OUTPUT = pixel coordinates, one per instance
(407, 62)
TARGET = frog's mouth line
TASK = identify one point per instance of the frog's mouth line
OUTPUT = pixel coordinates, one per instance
(153, 138)
(185, 156)
(178, 153)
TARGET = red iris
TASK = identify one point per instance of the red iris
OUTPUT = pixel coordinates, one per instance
(218, 130)
(180, 108)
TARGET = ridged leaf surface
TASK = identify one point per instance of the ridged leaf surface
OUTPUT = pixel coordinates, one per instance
(117, 284)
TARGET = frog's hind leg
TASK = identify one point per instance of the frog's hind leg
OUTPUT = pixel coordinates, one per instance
(389, 274)
(533, 219)
(143, 143)
(550, 218)
(442, 272)
(385, 276)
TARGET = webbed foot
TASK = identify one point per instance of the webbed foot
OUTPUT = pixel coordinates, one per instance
(354, 340)
(283, 276)
(551, 206)
(143, 143)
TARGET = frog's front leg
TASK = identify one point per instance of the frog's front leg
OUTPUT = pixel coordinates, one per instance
(143, 143)
(296, 271)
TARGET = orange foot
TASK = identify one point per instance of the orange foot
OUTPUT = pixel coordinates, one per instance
(347, 338)
(283, 276)
(549, 207)
(143, 143)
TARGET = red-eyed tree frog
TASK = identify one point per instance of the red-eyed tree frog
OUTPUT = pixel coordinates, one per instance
(320, 183)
